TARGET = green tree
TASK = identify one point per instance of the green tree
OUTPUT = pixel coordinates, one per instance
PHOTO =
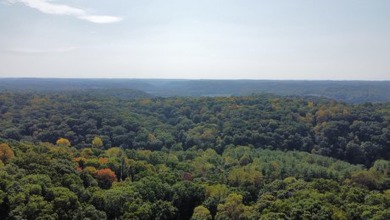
(232, 208)
(186, 196)
(65, 202)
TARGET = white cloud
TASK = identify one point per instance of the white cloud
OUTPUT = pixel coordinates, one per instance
(101, 19)
(48, 7)
(49, 50)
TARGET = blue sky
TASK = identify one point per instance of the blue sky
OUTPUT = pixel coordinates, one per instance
(197, 39)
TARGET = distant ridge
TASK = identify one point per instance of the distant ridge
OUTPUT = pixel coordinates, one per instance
(346, 91)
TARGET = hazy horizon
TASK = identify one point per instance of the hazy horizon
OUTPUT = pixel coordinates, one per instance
(190, 79)
(221, 39)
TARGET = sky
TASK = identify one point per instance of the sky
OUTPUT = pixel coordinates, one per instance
(196, 39)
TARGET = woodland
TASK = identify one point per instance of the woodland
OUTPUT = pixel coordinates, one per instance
(124, 154)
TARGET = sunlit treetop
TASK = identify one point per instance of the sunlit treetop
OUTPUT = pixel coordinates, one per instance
(63, 142)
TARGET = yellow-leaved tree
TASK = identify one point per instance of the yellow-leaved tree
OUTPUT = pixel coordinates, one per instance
(63, 142)
(201, 213)
(97, 142)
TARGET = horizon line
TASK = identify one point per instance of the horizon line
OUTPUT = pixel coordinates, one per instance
(194, 79)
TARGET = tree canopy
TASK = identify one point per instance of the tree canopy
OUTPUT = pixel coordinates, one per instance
(74, 156)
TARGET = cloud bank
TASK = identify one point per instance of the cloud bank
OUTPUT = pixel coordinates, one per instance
(48, 7)
(49, 50)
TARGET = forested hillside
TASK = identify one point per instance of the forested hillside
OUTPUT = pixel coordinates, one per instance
(125, 155)
(354, 133)
(346, 91)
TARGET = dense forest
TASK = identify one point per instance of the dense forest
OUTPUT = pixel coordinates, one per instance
(123, 154)
(358, 134)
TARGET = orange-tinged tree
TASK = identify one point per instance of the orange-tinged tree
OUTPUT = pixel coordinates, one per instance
(6, 152)
(105, 178)
(103, 160)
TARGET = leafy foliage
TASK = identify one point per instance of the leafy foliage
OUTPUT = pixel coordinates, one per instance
(358, 134)
(38, 182)
(71, 156)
